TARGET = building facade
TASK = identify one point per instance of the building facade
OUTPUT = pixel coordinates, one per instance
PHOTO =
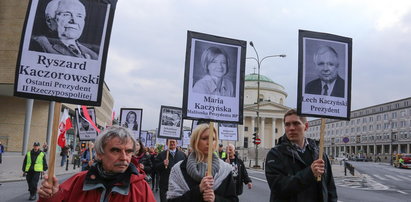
(373, 132)
(272, 109)
(14, 109)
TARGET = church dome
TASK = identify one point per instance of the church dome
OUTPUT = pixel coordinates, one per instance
(254, 77)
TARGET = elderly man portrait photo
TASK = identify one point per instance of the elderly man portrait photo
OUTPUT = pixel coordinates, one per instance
(328, 82)
(65, 20)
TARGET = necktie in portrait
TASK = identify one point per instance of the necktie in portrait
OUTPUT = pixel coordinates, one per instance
(325, 89)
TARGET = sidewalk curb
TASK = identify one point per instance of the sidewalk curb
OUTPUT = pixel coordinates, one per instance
(23, 178)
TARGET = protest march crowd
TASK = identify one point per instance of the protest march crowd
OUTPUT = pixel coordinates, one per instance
(117, 167)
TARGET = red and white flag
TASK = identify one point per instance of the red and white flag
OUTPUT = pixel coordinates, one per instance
(64, 125)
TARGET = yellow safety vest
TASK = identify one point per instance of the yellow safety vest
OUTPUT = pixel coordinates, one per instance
(38, 165)
(223, 155)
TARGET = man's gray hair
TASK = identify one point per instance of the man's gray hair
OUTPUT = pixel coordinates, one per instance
(111, 132)
(52, 7)
(323, 49)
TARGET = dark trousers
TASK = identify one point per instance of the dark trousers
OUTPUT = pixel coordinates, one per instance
(163, 195)
(63, 160)
(32, 178)
(1, 157)
(155, 180)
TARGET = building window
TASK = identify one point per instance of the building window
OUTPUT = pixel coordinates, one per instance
(246, 128)
(402, 113)
(394, 115)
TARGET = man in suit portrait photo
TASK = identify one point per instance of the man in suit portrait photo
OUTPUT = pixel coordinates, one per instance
(65, 20)
(328, 83)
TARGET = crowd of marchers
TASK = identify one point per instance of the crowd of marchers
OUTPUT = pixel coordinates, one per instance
(116, 167)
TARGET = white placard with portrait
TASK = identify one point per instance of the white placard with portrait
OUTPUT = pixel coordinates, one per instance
(131, 118)
(228, 131)
(170, 122)
(186, 138)
(63, 54)
(214, 78)
(324, 84)
(85, 129)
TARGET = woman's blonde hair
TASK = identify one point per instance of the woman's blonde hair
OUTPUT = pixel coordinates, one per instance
(195, 138)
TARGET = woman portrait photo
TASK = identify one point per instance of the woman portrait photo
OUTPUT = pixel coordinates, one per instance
(215, 64)
(188, 180)
(131, 121)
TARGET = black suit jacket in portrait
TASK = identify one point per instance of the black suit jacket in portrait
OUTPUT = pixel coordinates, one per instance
(53, 45)
(314, 87)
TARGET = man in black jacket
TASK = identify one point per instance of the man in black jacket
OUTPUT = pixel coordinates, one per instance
(293, 166)
(163, 166)
(239, 172)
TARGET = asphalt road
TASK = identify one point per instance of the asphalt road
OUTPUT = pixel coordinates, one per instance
(380, 183)
(260, 190)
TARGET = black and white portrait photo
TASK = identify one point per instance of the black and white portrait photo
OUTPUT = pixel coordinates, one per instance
(326, 68)
(131, 118)
(84, 125)
(60, 25)
(171, 122)
(131, 121)
(214, 78)
(63, 45)
(324, 74)
(85, 128)
(214, 70)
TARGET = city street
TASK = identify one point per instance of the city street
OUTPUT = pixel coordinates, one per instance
(378, 182)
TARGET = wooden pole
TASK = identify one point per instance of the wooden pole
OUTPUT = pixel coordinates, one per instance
(168, 150)
(53, 145)
(210, 148)
(321, 153)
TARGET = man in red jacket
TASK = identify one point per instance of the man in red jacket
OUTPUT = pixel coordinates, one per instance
(112, 178)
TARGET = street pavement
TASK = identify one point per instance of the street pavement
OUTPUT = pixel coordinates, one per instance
(11, 168)
(349, 188)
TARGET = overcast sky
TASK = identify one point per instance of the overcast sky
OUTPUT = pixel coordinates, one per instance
(145, 66)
